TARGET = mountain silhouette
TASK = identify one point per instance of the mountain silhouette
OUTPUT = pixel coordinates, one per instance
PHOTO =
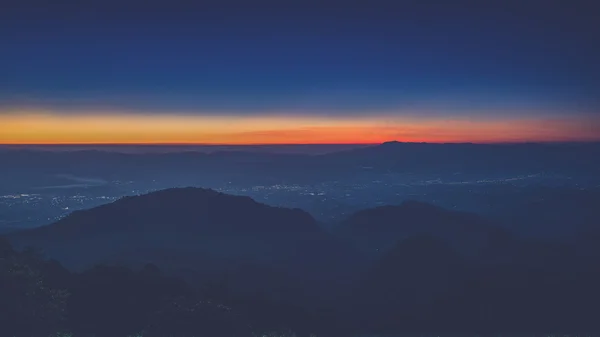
(405, 283)
(23, 167)
(376, 230)
(467, 157)
(193, 210)
(40, 297)
(422, 285)
(431, 269)
(555, 213)
(197, 232)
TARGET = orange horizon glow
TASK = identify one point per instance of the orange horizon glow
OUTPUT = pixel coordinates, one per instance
(136, 129)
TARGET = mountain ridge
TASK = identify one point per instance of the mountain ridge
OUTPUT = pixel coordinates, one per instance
(177, 205)
(378, 229)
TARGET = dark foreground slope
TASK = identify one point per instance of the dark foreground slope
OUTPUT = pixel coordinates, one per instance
(436, 271)
(442, 271)
(41, 298)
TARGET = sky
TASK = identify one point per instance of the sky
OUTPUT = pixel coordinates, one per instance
(286, 72)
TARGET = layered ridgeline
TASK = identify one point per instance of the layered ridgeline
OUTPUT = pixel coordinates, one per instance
(436, 270)
(375, 231)
(30, 168)
(42, 298)
(411, 267)
(197, 232)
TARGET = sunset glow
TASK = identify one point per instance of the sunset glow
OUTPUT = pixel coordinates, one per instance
(52, 128)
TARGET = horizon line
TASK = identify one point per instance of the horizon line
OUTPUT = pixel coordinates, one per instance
(298, 144)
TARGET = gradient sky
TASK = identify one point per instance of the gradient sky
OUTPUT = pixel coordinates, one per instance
(252, 72)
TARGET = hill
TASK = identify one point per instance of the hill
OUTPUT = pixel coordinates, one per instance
(376, 230)
(202, 234)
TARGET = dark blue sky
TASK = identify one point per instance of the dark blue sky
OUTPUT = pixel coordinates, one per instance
(334, 58)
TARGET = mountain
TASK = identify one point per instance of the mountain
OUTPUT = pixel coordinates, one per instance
(553, 213)
(405, 283)
(376, 230)
(581, 158)
(436, 270)
(424, 285)
(40, 297)
(23, 169)
(198, 232)
(415, 269)
(192, 210)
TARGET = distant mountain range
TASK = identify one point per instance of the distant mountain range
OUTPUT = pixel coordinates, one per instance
(260, 167)
(158, 148)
